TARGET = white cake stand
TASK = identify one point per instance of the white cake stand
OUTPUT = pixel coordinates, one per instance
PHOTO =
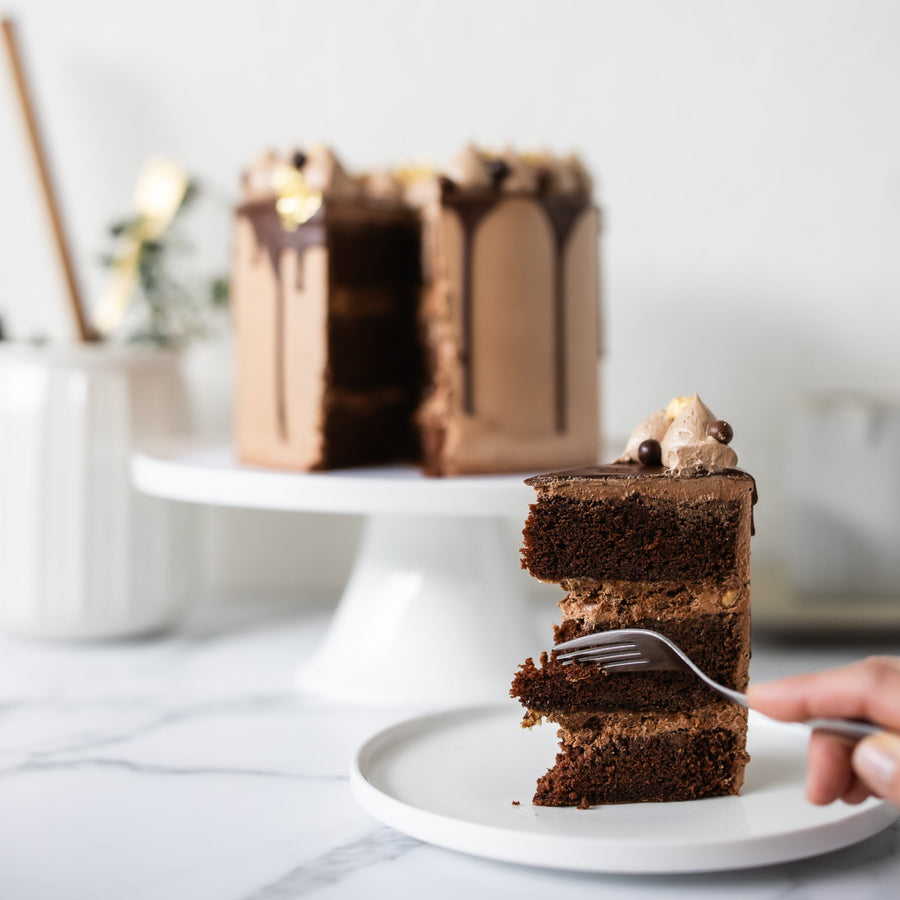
(435, 611)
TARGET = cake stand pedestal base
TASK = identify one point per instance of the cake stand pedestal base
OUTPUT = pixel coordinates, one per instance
(431, 615)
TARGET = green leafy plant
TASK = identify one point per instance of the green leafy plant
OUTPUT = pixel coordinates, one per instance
(164, 308)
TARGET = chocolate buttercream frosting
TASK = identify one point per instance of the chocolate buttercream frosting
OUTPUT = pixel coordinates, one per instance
(689, 435)
(472, 188)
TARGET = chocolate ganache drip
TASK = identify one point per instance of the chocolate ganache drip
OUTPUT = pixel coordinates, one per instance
(563, 212)
(471, 208)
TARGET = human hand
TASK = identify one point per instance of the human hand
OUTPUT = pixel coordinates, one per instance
(869, 689)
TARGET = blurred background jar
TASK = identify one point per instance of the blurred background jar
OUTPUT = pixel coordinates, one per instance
(843, 497)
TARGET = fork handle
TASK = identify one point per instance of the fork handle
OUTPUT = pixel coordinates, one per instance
(851, 730)
(846, 729)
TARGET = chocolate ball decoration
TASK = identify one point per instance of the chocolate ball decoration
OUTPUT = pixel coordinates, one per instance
(650, 453)
(299, 160)
(721, 431)
(498, 170)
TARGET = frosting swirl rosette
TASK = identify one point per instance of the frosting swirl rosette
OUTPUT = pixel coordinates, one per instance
(474, 168)
(684, 437)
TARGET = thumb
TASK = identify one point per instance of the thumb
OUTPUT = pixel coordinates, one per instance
(877, 762)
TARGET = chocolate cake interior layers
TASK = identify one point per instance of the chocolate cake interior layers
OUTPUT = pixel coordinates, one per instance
(719, 644)
(365, 429)
(642, 547)
(660, 765)
(375, 369)
(639, 523)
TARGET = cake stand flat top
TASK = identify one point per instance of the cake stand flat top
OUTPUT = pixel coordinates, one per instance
(211, 474)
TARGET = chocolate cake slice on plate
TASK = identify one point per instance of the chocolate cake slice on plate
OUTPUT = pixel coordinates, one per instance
(659, 540)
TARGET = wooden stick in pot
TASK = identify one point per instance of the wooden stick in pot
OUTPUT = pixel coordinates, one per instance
(61, 244)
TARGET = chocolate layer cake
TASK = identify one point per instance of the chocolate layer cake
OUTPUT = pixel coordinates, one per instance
(450, 318)
(664, 545)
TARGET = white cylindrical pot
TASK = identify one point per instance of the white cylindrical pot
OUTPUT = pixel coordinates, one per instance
(82, 554)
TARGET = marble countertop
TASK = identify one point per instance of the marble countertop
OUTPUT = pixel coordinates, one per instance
(189, 766)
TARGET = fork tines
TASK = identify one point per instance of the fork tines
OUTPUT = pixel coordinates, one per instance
(607, 655)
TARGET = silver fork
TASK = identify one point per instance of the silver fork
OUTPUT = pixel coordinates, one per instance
(636, 649)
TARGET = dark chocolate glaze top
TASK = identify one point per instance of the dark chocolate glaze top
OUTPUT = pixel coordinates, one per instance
(627, 470)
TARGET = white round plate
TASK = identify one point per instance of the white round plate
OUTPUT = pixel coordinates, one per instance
(452, 779)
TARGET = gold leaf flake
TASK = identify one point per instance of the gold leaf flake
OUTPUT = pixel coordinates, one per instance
(676, 405)
(297, 202)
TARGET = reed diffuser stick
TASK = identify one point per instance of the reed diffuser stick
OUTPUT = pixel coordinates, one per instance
(60, 241)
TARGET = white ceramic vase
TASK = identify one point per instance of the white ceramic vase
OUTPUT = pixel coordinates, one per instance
(82, 554)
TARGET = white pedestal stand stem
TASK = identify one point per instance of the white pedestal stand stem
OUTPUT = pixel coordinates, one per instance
(431, 615)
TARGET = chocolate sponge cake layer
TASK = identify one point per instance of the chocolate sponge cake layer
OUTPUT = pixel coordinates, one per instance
(639, 523)
(550, 687)
(357, 357)
(372, 247)
(640, 540)
(661, 762)
(718, 643)
(360, 428)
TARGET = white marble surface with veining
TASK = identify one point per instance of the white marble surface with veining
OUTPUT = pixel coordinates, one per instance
(189, 767)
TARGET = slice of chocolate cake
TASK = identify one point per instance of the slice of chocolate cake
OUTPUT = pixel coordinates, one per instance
(658, 540)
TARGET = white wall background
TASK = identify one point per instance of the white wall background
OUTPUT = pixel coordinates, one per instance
(748, 155)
